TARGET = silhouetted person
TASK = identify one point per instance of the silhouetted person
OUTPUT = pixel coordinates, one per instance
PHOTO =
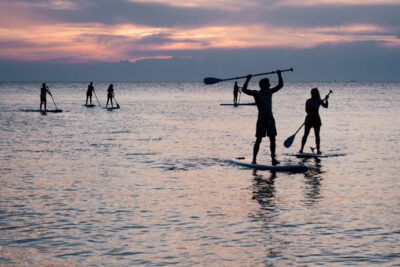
(236, 91)
(312, 119)
(43, 91)
(265, 121)
(110, 94)
(89, 93)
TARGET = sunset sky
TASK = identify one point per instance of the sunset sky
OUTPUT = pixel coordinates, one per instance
(106, 31)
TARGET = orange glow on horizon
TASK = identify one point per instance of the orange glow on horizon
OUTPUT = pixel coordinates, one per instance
(26, 35)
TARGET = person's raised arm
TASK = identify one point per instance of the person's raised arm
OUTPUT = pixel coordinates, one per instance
(324, 102)
(246, 83)
(280, 83)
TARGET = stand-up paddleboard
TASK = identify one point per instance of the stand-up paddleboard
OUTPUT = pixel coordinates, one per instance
(43, 111)
(111, 108)
(89, 105)
(283, 167)
(239, 104)
(314, 155)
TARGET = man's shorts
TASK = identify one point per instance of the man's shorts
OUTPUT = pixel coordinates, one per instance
(266, 126)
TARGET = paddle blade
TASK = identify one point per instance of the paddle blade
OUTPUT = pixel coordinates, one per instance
(288, 142)
(211, 80)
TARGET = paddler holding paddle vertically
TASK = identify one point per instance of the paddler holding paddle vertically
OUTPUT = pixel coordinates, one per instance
(313, 119)
(43, 99)
(236, 91)
(110, 94)
(265, 121)
(89, 93)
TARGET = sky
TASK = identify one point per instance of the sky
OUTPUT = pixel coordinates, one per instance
(171, 40)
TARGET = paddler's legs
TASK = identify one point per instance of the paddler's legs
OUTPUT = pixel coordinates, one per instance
(317, 138)
(256, 148)
(305, 136)
(272, 147)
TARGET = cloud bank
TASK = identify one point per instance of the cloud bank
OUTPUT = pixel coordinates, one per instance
(95, 31)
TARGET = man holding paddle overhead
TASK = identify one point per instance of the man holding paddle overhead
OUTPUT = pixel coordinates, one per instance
(265, 121)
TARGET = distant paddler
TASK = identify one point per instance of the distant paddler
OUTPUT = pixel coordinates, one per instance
(43, 93)
(313, 119)
(265, 121)
(110, 95)
(89, 93)
(236, 91)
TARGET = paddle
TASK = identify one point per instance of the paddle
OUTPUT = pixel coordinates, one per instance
(116, 101)
(96, 97)
(288, 142)
(55, 103)
(212, 80)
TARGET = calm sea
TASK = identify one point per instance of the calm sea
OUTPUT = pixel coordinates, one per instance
(151, 184)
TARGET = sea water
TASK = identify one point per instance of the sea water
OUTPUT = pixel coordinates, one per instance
(151, 183)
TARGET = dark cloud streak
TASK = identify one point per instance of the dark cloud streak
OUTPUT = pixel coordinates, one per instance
(125, 12)
(330, 15)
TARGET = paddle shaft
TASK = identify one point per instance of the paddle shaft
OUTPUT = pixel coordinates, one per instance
(96, 97)
(299, 128)
(115, 101)
(211, 80)
(330, 92)
(53, 101)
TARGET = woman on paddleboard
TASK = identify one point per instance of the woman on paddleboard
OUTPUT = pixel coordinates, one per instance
(110, 94)
(312, 119)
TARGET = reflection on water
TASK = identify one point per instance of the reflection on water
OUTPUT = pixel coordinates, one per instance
(149, 184)
(313, 181)
(264, 190)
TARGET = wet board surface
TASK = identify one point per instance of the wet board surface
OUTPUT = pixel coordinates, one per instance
(111, 108)
(313, 155)
(43, 111)
(280, 167)
(240, 104)
(89, 105)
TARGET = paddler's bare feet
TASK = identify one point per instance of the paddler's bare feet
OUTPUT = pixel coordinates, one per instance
(254, 161)
(319, 152)
(275, 161)
(301, 151)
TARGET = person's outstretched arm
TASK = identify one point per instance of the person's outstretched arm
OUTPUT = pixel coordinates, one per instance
(246, 83)
(280, 83)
